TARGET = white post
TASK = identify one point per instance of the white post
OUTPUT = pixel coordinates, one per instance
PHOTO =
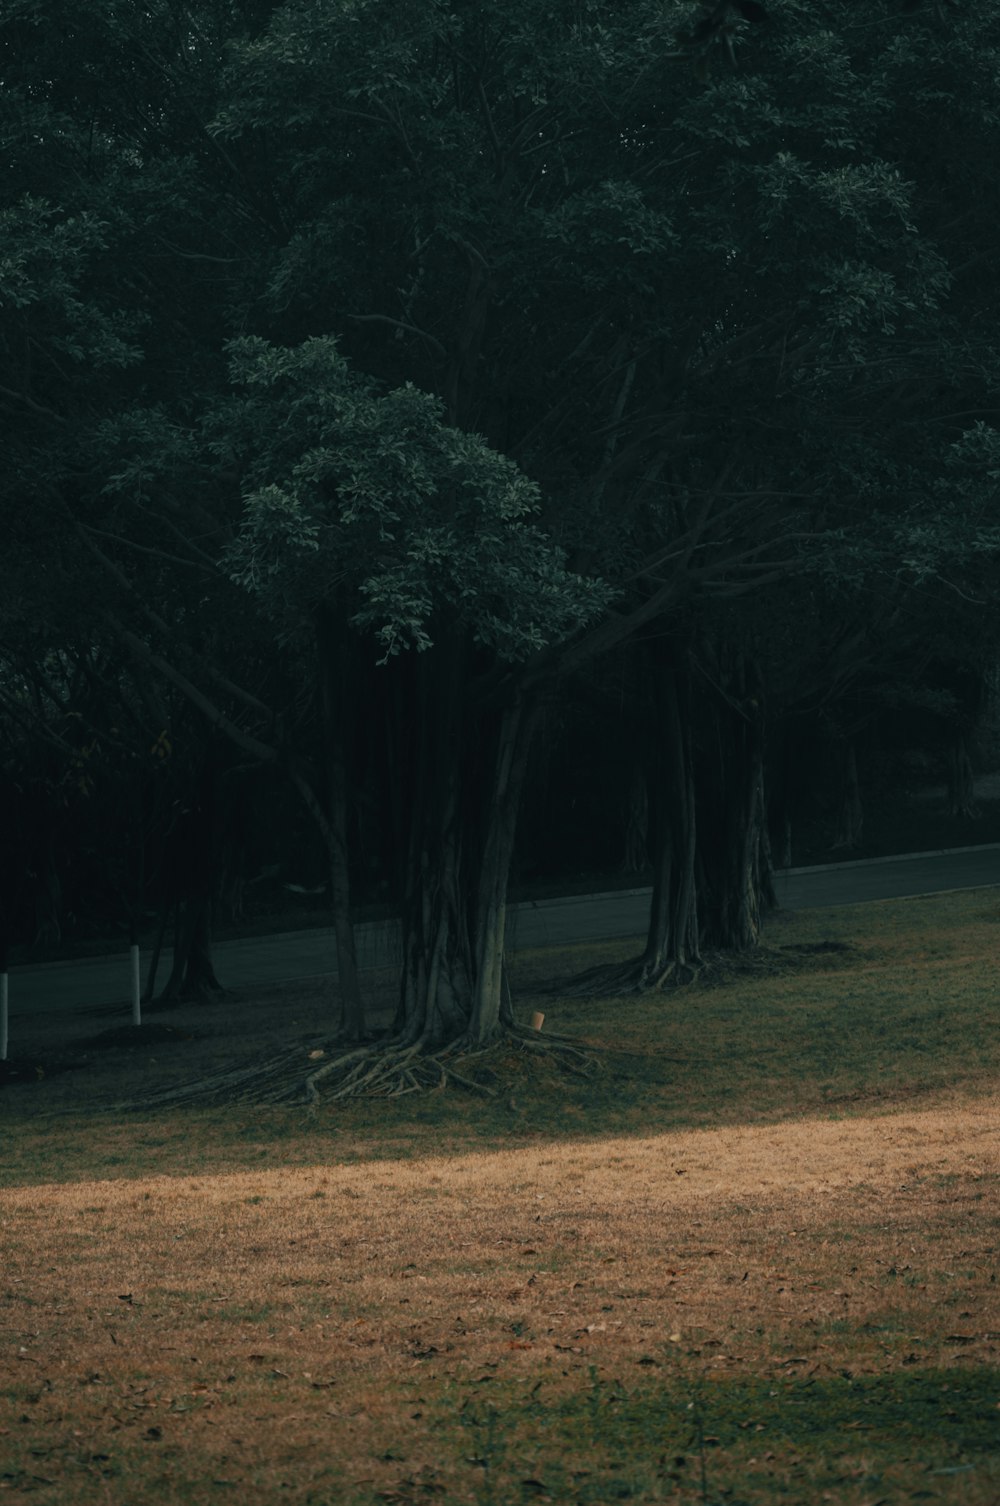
(3, 1017)
(136, 1007)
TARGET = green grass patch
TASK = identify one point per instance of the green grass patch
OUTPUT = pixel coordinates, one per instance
(928, 1434)
(901, 1010)
(921, 1434)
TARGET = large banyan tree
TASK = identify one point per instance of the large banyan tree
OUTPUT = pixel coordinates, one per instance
(403, 557)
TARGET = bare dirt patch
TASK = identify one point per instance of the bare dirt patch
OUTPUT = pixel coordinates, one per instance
(341, 1333)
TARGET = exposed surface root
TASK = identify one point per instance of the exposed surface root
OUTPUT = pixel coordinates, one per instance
(389, 1068)
(713, 969)
(633, 977)
(268, 1081)
(563, 1049)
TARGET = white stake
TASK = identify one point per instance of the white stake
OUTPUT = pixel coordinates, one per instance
(537, 1020)
(3, 1017)
(136, 1009)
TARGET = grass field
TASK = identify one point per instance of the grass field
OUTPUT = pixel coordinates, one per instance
(754, 1259)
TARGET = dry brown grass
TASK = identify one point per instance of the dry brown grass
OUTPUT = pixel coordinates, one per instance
(313, 1334)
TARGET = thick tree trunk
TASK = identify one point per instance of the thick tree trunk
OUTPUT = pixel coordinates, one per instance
(961, 778)
(457, 770)
(199, 972)
(735, 860)
(785, 847)
(193, 974)
(672, 942)
(711, 855)
(852, 814)
(463, 773)
(154, 961)
(490, 1010)
(194, 863)
(332, 656)
(672, 950)
(636, 856)
(712, 865)
(48, 906)
(331, 818)
(437, 983)
(432, 766)
(785, 786)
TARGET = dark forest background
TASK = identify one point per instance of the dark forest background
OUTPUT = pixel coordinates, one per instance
(460, 450)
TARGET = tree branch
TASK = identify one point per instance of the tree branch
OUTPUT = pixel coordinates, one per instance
(262, 751)
(177, 532)
(147, 549)
(400, 324)
(22, 397)
(236, 691)
(491, 129)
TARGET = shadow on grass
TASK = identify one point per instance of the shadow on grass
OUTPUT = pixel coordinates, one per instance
(907, 1436)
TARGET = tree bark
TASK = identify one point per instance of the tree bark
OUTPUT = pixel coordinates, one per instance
(735, 860)
(154, 961)
(636, 855)
(852, 815)
(784, 784)
(489, 1008)
(437, 983)
(195, 858)
(960, 777)
(672, 941)
(193, 974)
(332, 656)
(459, 772)
(428, 765)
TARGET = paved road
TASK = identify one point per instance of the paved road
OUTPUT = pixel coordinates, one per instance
(95, 981)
